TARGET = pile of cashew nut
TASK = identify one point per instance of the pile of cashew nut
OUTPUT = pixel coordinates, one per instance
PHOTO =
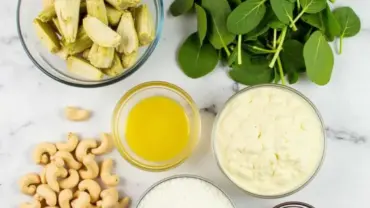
(69, 176)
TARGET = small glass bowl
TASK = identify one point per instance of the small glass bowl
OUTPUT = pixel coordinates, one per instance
(293, 205)
(54, 66)
(140, 92)
(183, 176)
(284, 88)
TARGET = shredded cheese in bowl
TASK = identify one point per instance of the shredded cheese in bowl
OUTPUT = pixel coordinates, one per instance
(185, 192)
(269, 140)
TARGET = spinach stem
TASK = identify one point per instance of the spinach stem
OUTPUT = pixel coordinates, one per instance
(274, 43)
(294, 27)
(298, 17)
(263, 49)
(341, 44)
(299, 4)
(239, 49)
(332, 1)
(227, 51)
(280, 47)
(280, 66)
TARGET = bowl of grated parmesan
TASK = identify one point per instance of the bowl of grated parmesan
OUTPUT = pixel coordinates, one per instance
(184, 191)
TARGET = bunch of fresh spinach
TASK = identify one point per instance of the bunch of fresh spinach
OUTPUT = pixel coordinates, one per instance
(264, 41)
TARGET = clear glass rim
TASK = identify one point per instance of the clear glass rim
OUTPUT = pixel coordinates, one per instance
(293, 204)
(115, 126)
(141, 61)
(183, 176)
(214, 128)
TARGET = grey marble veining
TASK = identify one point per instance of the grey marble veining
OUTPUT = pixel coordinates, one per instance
(345, 136)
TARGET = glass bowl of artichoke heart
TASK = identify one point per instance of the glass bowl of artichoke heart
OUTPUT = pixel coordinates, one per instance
(89, 43)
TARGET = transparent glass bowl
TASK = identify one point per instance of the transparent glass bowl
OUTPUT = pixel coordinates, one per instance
(284, 88)
(135, 95)
(293, 205)
(54, 66)
(184, 176)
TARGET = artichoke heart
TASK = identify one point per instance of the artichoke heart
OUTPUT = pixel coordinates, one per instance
(123, 4)
(101, 57)
(100, 33)
(56, 25)
(47, 14)
(68, 13)
(85, 54)
(47, 36)
(83, 69)
(116, 68)
(126, 29)
(82, 43)
(114, 15)
(129, 60)
(96, 8)
(63, 53)
(47, 3)
(144, 25)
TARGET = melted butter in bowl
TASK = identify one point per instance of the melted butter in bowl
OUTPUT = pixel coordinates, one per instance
(157, 129)
(156, 126)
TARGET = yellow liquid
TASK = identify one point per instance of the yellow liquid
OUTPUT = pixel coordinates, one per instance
(157, 129)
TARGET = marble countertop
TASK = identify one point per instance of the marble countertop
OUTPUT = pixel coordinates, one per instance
(31, 107)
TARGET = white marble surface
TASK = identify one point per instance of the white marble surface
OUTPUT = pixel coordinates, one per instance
(31, 104)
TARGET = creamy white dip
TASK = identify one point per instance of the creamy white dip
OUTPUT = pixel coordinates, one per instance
(269, 140)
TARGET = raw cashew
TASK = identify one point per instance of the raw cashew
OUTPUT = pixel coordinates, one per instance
(123, 203)
(71, 181)
(68, 159)
(51, 207)
(109, 198)
(105, 173)
(92, 168)
(34, 204)
(82, 201)
(105, 146)
(44, 192)
(64, 198)
(52, 174)
(28, 183)
(41, 150)
(45, 159)
(92, 187)
(76, 114)
(83, 147)
(70, 145)
(59, 162)
(43, 175)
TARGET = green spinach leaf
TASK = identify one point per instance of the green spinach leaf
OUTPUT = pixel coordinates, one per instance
(262, 27)
(197, 60)
(179, 7)
(349, 23)
(276, 24)
(246, 16)
(283, 10)
(312, 6)
(293, 78)
(232, 58)
(218, 34)
(319, 59)
(292, 56)
(315, 20)
(234, 3)
(252, 71)
(202, 22)
(332, 27)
